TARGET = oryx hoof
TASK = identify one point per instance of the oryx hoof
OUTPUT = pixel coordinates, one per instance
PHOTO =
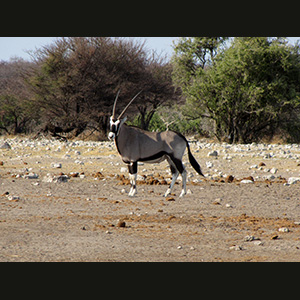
(183, 192)
(132, 192)
(167, 193)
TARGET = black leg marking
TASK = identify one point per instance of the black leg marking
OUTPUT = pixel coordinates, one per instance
(132, 168)
(177, 162)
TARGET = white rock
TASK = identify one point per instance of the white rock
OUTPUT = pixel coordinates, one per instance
(209, 164)
(31, 176)
(258, 243)
(213, 153)
(283, 229)
(236, 248)
(247, 181)
(55, 179)
(6, 145)
(11, 198)
(293, 180)
(273, 170)
(56, 165)
(249, 238)
(123, 170)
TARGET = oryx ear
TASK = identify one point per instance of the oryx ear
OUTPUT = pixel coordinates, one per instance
(123, 121)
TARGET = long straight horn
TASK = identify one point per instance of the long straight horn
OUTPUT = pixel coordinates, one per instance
(124, 110)
(114, 108)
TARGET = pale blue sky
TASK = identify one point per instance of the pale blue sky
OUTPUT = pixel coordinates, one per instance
(17, 46)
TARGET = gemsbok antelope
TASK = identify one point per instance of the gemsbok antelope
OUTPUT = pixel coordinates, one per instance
(135, 144)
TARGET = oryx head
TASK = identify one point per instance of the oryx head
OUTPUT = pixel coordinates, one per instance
(116, 123)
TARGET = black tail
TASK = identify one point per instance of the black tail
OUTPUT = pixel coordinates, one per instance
(193, 161)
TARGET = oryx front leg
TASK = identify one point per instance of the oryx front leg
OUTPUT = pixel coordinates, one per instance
(132, 168)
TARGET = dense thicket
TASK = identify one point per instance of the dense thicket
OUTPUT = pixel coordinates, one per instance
(248, 90)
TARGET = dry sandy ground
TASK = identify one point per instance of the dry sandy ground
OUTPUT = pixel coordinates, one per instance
(93, 219)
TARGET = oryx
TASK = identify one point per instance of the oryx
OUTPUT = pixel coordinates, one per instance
(135, 144)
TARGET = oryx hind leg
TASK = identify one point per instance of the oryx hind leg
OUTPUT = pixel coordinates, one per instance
(176, 168)
(175, 174)
(132, 168)
(183, 175)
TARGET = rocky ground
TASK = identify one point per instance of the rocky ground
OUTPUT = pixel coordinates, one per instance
(67, 201)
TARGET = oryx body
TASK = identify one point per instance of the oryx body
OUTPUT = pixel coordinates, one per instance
(135, 144)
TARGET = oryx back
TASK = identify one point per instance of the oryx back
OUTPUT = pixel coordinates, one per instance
(135, 144)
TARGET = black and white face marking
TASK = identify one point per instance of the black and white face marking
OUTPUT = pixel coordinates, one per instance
(113, 128)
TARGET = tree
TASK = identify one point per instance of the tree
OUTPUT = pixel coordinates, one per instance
(250, 90)
(17, 114)
(75, 81)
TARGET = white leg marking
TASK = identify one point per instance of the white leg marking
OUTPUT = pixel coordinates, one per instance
(183, 191)
(169, 190)
(132, 191)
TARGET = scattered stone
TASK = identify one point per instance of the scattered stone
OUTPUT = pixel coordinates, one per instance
(213, 153)
(269, 177)
(273, 170)
(55, 179)
(283, 229)
(56, 165)
(209, 164)
(31, 176)
(73, 174)
(179, 247)
(258, 243)
(6, 145)
(247, 181)
(123, 170)
(228, 205)
(229, 179)
(236, 248)
(121, 224)
(274, 237)
(293, 180)
(13, 198)
(262, 164)
(170, 199)
(250, 238)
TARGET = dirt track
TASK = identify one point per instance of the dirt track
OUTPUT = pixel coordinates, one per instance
(81, 219)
